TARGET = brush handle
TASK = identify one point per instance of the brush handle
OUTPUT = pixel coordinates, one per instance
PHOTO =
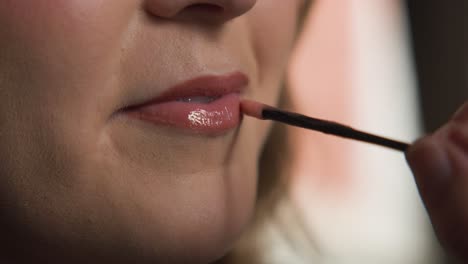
(329, 127)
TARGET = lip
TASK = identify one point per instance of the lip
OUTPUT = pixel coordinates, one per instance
(212, 118)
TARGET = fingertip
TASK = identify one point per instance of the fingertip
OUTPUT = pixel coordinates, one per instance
(430, 165)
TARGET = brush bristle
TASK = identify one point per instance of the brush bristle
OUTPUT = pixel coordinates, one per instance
(252, 108)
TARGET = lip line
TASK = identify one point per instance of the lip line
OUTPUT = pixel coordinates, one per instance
(205, 85)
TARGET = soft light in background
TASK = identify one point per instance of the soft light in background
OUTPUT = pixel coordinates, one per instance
(359, 201)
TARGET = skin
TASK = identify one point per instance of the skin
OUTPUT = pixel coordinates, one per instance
(439, 162)
(81, 183)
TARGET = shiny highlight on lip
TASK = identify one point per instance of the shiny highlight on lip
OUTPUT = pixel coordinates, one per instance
(204, 118)
(214, 118)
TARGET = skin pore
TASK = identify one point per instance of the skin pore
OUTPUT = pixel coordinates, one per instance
(81, 183)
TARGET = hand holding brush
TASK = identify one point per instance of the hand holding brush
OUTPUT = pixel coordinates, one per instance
(439, 162)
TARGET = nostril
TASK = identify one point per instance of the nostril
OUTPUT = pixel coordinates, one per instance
(205, 8)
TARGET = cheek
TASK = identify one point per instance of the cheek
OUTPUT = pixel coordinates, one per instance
(58, 32)
(55, 59)
(55, 53)
(273, 25)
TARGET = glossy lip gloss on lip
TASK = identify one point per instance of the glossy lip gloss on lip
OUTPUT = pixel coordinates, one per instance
(217, 115)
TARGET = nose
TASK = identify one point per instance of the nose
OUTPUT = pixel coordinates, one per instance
(211, 11)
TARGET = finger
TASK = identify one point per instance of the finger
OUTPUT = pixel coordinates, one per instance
(440, 166)
(431, 168)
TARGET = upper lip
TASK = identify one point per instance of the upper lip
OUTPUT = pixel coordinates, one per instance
(204, 85)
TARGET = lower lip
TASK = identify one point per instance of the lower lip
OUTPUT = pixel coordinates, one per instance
(214, 118)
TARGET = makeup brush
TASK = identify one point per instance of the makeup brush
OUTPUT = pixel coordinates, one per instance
(266, 112)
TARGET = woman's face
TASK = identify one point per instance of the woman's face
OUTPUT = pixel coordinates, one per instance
(87, 171)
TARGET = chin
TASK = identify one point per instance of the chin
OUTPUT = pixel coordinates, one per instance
(197, 222)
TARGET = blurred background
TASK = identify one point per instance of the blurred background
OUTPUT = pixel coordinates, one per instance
(394, 68)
